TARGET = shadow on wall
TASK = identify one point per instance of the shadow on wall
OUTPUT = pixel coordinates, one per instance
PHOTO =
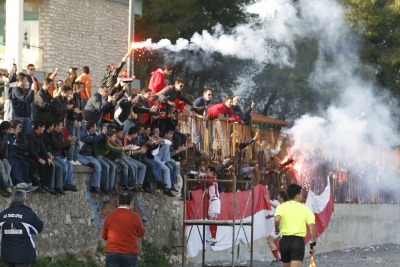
(102, 205)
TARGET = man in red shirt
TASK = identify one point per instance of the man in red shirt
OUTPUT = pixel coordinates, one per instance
(122, 229)
(221, 112)
(157, 80)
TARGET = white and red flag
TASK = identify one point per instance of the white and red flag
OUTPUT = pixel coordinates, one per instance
(322, 207)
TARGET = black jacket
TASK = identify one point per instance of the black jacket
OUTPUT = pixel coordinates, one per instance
(58, 144)
(36, 148)
(71, 115)
(128, 108)
(44, 105)
(60, 108)
(3, 146)
(21, 145)
(21, 102)
(95, 108)
(18, 226)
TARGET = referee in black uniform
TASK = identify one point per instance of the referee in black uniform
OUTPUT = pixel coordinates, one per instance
(291, 219)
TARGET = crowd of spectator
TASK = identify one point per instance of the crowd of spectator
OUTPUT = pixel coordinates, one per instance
(130, 141)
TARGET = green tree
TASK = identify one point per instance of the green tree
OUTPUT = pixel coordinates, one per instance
(181, 19)
(378, 24)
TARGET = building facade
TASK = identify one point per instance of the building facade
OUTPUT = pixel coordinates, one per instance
(65, 33)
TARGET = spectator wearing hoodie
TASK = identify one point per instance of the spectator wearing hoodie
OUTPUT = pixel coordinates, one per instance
(21, 102)
(157, 80)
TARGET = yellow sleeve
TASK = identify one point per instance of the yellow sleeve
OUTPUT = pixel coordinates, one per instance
(278, 211)
(310, 217)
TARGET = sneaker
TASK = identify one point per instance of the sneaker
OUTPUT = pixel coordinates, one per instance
(139, 188)
(169, 193)
(4, 193)
(134, 189)
(70, 187)
(73, 163)
(174, 189)
(9, 190)
(148, 190)
(59, 191)
(275, 261)
(160, 185)
(77, 163)
(23, 186)
(125, 188)
(114, 192)
(51, 191)
(41, 190)
(94, 190)
(212, 241)
(105, 191)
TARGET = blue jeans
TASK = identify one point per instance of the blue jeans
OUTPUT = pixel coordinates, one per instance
(140, 169)
(5, 170)
(127, 124)
(174, 171)
(128, 176)
(97, 168)
(73, 151)
(166, 172)
(26, 125)
(155, 168)
(121, 260)
(67, 170)
(57, 182)
(108, 169)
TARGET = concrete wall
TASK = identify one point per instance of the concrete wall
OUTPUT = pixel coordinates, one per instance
(72, 223)
(77, 33)
(351, 226)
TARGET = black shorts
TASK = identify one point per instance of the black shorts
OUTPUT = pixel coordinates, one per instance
(292, 248)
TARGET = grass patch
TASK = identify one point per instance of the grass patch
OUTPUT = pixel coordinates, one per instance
(153, 256)
(71, 260)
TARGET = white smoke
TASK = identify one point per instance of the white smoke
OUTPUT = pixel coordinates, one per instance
(357, 120)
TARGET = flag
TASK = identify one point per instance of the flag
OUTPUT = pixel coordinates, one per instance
(312, 263)
(322, 207)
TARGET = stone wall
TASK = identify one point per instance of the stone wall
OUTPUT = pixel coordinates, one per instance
(77, 33)
(72, 223)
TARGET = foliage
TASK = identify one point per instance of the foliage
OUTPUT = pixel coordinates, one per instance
(378, 23)
(152, 256)
(163, 19)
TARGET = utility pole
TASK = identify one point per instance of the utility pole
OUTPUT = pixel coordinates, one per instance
(130, 40)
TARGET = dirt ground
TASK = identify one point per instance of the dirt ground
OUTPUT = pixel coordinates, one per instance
(383, 256)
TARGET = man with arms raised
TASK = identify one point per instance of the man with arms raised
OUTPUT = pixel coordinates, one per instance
(291, 218)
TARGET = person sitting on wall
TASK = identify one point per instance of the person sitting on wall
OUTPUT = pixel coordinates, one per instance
(88, 153)
(37, 151)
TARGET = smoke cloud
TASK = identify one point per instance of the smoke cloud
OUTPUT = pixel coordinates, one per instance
(359, 124)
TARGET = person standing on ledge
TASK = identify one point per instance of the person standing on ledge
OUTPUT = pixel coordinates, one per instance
(18, 225)
(291, 218)
(122, 229)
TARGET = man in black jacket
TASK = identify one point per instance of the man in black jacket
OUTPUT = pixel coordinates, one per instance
(98, 104)
(61, 104)
(44, 104)
(37, 151)
(21, 102)
(18, 225)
